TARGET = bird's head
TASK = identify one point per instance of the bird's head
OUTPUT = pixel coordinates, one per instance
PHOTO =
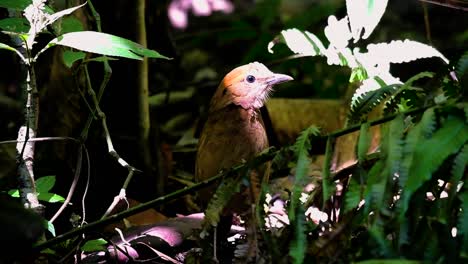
(247, 86)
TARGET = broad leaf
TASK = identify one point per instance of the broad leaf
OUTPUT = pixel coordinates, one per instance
(20, 5)
(70, 24)
(105, 44)
(94, 245)
(44, 184)
(15, 4)
(69, 57)
(15, 24)
(299, 42)
(50, 197)
(52, 18)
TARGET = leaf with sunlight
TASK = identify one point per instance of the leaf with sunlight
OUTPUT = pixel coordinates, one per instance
(364, 16)
(299, 42)
(104, 44)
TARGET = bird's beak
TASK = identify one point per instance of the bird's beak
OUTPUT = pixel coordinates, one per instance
(278, 78)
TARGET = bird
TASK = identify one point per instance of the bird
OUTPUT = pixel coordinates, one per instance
(234, 130)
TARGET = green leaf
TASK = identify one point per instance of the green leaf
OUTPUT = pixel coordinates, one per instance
(103, 59)
(69, 57)
(15, 4)
(14, 193)
(431, 153)
(422, 131)
(352, 195)
(50, 197)
(367, 97)
(71, 24)
(463, 220)
(20, 5)
(45, 183)
(462, 65)
(394, 148)
(373, 186)
(50, 227)
(104, 44)
(298, 246)
(301, 149)
(221, 198)
(94, 245)
(299, 42)
(363, 142)
(458, 169)
(15, 24)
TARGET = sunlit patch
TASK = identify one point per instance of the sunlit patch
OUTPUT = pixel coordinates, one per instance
(454, 232)
(317, 216)
(430, 196)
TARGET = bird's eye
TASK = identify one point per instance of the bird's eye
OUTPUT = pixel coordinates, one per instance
(250, 78)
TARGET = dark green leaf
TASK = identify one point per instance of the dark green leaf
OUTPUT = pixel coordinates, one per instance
(432, 152)
(20, 5)
(15, 4)
(353, 195)
(363, 142)
(69, 57)
(463, 220)
(50, 197)
(299, 244)
(71, 24)
(222, 196)
(364, 101)
(14, 193)
(45, 183)
(15, 24)
(94, 245)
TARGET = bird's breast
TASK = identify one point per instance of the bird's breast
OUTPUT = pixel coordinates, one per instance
(230, 135)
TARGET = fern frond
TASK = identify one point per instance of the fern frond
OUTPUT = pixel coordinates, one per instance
(417, 77)
(463, 221)
(394, 149)
(299, 244)
(406, 93)
(449, 139)
(367, 97)
(377, 233)
(462, 65)
(416, 135)
(221, 198)
(352, 195)
(459, 163)
(301, 149)
(373, 180)
(458, 171)
(363, 142)
(398, 51)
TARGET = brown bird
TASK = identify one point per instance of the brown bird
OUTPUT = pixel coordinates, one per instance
(234, 131)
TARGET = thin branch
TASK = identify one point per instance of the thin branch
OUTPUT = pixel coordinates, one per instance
(76, 178)
(106, 77)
